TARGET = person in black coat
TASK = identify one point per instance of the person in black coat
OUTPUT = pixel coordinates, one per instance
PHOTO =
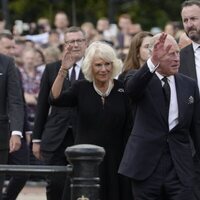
(190, 61)
(21, 156)
(104, 116)
(54, 127)
(158, 155)
(11, 111)
(138, 53)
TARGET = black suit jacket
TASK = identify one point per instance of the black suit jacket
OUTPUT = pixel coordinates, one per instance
(51, 123)
(11, 102)
(188, 68)
(150, 132)
(187, 62)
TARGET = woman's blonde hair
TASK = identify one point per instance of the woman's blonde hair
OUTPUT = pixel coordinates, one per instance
(103, 51)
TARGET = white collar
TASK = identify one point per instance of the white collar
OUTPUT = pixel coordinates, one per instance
(169, 78)
(195, 46)
(79, 63)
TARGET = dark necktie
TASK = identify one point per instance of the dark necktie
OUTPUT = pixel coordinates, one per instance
(167, 94)
(73, 74)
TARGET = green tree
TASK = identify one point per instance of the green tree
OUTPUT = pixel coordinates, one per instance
(148, 13)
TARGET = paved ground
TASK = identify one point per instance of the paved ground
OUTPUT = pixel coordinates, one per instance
(33, 191)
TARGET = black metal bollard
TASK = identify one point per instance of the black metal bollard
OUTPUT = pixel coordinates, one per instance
(85, 159)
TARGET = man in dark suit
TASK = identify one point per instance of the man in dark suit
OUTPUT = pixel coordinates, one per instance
(190, 60)
(158, 154)
(11, 111)
(21, 156)
(54, 128)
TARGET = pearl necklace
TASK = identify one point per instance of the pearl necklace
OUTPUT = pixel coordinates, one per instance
(103, 95)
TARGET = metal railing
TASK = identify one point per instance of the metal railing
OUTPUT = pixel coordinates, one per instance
(83, 169)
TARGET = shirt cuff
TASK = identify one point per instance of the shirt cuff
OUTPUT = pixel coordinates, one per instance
(151, 66)
(36, 140)
(29, 132)
(17, 133)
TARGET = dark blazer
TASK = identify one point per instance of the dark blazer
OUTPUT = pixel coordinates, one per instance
(188, 68)
(187, 62)
(150, 132)
(11, 102)
(51, 123)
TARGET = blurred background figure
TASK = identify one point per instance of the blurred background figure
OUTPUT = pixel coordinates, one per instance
(30, 43)
(171, 28)
(31, 77)
(7, 46)
(138, 53)
(61, 23)
(134, 29)
(184, 40)
(107, 31)
(91, 32)
(40, 60)
(155, 30)
(52, 54)
(2, 24)
(53, 39)
(123, 37)
(20, 45)
(43, 25)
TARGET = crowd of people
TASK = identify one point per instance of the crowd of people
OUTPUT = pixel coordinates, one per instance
(133, 92)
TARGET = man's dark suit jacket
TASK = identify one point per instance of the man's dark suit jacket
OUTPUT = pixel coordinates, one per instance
(187, 62)
(188, 68)
(51, 123)
(11, 102)
(150, 132)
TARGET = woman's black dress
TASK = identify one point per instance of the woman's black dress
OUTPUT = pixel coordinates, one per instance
(107, 125)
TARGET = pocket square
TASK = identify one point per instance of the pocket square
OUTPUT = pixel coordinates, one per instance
(1, 74)
(190, 100)
(120, 90)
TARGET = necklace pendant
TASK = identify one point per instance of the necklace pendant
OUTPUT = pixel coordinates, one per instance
(103, 100)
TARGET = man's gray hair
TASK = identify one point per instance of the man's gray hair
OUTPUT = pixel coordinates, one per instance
(190, 3)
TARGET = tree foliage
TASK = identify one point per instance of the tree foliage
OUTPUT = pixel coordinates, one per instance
(149, 13)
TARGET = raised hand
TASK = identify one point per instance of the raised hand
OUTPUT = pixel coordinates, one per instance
(159, 49)
(68, 58)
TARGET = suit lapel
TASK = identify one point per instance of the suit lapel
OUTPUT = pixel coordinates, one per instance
(81, 76)
(190, 60)
(182, 96)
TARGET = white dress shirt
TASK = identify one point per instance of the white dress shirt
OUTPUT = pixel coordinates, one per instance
(173, 106)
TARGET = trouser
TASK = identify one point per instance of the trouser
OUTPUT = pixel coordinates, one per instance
(16, 183)
(162, 184)
(3, 160)
(197, 178)
(58, 185)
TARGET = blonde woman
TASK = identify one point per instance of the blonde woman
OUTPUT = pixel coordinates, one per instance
(104, 115)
